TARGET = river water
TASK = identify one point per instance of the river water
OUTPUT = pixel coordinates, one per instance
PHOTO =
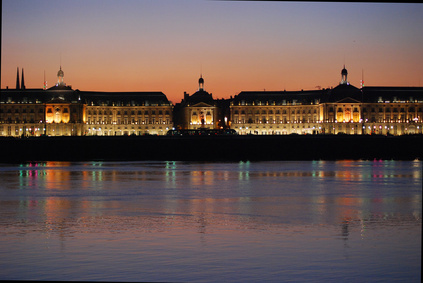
(343, 221)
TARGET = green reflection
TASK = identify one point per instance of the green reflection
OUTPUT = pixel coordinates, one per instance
(170, 173)
(244, 172)
(29, 174)
(170, 165)
(97, 164)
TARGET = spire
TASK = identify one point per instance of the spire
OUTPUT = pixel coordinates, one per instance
(17, 78)
(22, 81)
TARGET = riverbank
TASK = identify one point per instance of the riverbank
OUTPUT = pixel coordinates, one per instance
(212, 148)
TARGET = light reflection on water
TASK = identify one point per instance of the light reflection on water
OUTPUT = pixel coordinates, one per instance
(180, 221)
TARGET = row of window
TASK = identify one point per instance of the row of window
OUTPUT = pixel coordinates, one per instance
(19, 115)
(331, 109)
(118, 112)
(124, 128)
(128, 121)
(24, 110)
(284, 102)
(25, 100)
(66, 110)
(284, 111)
(278, 120)
(388, 110)
(18, 120)
(109, 103)
(331, 119)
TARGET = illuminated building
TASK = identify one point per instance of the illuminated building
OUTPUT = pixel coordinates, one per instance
(127, 113)
(344, 109)
(198, 110)
(62, 111)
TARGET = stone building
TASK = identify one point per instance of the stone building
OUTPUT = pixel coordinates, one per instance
(198, 110)
(127, 113)
(344, 109)
(36, 112)
(62, 111)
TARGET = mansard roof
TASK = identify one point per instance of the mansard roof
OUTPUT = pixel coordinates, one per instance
(375, 93)
(278, 97)
(342, 93)
(124, 98)
(36, 95)
(89, 97)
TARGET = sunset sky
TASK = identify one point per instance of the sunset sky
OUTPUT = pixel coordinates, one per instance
(136, 45)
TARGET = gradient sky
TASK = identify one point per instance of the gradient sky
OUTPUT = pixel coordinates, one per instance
(137, 45)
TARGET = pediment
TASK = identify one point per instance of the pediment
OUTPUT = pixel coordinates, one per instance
(348, 100)
(201, 104)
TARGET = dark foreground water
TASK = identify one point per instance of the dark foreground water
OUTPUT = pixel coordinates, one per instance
(346, 221)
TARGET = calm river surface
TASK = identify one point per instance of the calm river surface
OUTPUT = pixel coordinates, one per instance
(345, 221)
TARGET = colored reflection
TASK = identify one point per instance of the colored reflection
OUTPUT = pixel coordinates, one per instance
(297, 192)
(71, 218)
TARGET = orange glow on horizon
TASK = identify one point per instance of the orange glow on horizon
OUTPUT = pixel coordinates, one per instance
(222, 85)
(236, 46)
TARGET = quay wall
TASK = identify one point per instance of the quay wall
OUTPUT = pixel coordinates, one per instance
(212, 148)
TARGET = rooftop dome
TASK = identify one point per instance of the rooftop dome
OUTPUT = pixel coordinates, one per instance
(60, 73)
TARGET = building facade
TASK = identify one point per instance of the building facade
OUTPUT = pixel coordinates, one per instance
(62, 111)
(197, 111)
(344, 109)
(128, 113)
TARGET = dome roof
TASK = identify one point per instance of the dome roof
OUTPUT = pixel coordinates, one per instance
(343, 91)
(200, 96)
(201, 80)
(344, 71)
